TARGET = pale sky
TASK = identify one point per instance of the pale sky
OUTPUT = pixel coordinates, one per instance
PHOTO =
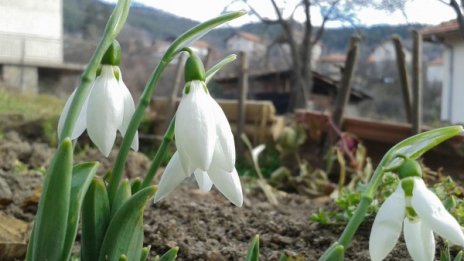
(417, 11)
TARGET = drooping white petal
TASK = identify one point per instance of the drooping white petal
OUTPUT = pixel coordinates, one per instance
(228, 183)
(419, 240)
(129, 109)
(432, 212)
(172, 176)
(256, 151)
(105, 110)
(387, 225)
(225, 138)
(195, 129)
(204, 182)
(80, 125)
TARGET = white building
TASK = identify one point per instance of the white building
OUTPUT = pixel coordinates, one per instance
(435, 71)
(31, 48)
(246, 42)
(452, 98)
(31, 31)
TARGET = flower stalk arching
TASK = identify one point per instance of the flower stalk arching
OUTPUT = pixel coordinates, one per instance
(145, 98)
(411, 148)
(112, 29)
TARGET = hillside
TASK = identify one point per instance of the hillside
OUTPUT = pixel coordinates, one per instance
(87, 18)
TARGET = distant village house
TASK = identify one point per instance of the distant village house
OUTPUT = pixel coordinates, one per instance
(448, 35)
(31, 46)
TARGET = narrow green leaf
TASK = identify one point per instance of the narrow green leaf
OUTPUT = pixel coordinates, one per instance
(136, 185)
(95, 219)
(413, 147)
(125, 231)
(213, 70)
(199, 31)
(283, 257)
(52, 214)
(81, 179)
(170, 255)
(459, 256)
(253, 250)
(145, 253)
(335, 253)
(122, 195)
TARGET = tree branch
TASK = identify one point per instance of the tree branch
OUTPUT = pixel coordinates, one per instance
(460, 17)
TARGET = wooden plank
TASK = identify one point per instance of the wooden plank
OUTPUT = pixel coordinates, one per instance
(241, 102)
(403, 75)
(417, 82)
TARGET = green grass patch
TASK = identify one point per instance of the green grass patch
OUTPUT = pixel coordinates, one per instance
(29, 106)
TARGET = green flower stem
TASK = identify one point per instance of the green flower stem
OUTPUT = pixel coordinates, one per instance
(160, 154)
(112, 29)
(411, 148)
(145, 99)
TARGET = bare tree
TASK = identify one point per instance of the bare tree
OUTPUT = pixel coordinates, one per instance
(301, 45)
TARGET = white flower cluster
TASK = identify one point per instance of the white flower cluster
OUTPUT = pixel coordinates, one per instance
(205, 146)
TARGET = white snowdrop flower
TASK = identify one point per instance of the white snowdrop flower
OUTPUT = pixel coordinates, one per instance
(205, 146)
(107, 108)
(419, 212)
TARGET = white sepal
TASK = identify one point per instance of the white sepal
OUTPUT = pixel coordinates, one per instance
(80, 124)
(225, 138)
(129, 109)
(432, 212)
(228, 183)
(172, 176)
(105, 110)
(419, 240)
(387, 225)
(195, 129)
(203, 181)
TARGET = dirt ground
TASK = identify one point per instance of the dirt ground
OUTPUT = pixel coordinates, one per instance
(203, 225)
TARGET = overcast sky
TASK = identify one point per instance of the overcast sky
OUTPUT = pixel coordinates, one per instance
(416, 11)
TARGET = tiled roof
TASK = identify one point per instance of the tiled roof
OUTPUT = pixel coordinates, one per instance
(442, 28)
(333, 58)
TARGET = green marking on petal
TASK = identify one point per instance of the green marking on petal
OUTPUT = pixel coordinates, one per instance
(411, 213)
(187, 88)
(116, 72)
(408, 185)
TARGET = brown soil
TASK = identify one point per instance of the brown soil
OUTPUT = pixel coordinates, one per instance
(204, 225)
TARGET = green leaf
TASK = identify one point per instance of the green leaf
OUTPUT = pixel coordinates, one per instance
(253, 250)
(145, 253)
(459, 256)
(335, 253)
(170, 255)
(125, 231)
(52, 214)
(413, 147)
(122, 195)
(197, 32)
(95, 219)
(136, 185)
(81, 179)
(217, 67)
